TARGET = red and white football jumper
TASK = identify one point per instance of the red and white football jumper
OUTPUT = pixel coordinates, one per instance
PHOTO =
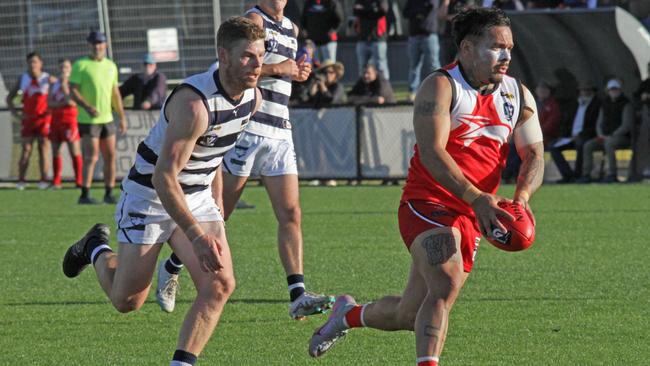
(64, 128)
(36, 115)
(478, 142)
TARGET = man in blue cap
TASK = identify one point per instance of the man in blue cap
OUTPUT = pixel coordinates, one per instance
(93, 85)
(148, 88)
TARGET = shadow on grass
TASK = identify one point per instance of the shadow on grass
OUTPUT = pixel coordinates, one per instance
(104, 302)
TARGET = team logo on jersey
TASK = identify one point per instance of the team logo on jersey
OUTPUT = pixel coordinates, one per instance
(208, 141)
(508, 108)
(474, 127)
(272, 45)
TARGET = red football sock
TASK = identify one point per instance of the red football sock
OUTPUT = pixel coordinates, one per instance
(78, 169)
(57, 166)
(427, 361)
(353, 317)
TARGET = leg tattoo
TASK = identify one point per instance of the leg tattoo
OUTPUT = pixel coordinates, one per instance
(439, 247)
(432, 332)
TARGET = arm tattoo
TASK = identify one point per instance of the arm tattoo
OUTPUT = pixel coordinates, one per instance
(531, 173)
(439, 247)
(427, 109)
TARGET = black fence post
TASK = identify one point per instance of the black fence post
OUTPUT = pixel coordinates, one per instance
(358, 111)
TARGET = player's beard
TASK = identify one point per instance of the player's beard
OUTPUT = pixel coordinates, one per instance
(495, 79)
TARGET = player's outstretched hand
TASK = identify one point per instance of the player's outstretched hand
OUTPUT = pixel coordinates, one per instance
(488, 213)
(208, 251)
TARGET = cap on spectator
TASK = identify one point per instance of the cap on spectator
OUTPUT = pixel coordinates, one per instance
(613, 84)
(96, 37)
(148, 59)
(338, 67)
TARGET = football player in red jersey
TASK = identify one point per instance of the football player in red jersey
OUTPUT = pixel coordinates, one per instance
(34, 85)
(64, 127)
(463, 116)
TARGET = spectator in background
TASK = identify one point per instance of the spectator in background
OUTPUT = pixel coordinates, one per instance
(93, 85)
(446, 13)
(613, 127)
(34, 85)
(549, 112)
(325, 89)
(372, 30)
(148, 88)
(642, 148)
(64, 126)
(575, 131)
(371, 88)
(423, 45)
(320, 20)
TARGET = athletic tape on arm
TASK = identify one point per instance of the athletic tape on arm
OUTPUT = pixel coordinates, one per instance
(529, 131)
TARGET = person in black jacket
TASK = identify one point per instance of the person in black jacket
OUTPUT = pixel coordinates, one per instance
(149, 88)
(613, 127)
(578, 128)
(325, 89)
(371, 26)
(371, 88)
(320, 20)
(423, 45)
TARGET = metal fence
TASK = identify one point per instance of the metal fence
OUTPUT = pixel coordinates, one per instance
(58, 28)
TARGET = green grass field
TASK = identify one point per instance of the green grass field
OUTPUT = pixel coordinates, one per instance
(579, 296)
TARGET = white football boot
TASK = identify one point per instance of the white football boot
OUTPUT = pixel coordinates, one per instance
(167, 288)
(309, 304)
(334, 329)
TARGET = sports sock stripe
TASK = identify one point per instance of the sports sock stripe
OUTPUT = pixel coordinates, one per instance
(296, 285)
(100, 249)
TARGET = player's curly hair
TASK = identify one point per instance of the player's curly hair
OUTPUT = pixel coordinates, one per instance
(475, 21)
(237, 28)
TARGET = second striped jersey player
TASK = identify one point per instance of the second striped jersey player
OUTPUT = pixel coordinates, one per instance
(266, 149)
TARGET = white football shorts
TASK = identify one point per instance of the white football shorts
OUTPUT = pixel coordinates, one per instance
(255, 155)
(141, 221)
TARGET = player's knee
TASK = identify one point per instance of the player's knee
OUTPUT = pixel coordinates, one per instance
(447, 287)
(90, 158)
(291, 215)
(221, 288)
(126, 304)
(108, 155)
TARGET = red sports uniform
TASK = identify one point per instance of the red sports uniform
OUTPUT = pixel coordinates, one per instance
(64, 126)
(36, 115)
(478, 143)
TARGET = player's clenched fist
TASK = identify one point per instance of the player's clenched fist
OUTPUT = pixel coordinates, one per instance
(303, 69)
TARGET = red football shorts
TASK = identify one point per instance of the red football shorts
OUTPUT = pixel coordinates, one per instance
(39, 127)
(64, 131)
(416, 217)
